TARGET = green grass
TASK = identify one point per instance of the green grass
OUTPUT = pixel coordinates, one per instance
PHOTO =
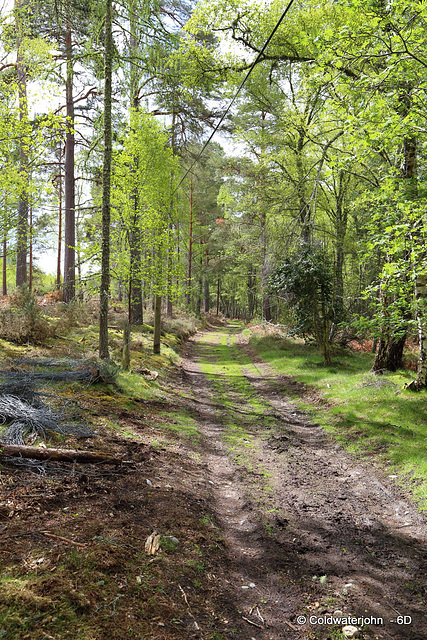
(180, 424)
(243, 414)
(371, 415)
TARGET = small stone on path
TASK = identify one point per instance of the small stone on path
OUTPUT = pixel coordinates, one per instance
(350, 632)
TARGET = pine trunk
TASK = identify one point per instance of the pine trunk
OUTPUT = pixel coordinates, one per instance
(22, 226)
(58, 263)
(106, 186)
(135, 246)
(70, 207)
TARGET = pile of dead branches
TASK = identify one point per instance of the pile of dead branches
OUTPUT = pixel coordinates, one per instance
(27, 418)
(28, 413)
(61, 370)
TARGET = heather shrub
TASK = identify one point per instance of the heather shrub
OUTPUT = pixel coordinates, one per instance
(24, 321)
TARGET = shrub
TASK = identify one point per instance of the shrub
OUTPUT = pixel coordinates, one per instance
(24, 321)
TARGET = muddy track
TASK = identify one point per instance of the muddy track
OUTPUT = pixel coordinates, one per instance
(309, 530)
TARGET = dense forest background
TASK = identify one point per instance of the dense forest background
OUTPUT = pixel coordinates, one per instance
(308, 207)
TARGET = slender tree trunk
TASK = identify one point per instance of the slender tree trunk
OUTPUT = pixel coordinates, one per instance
(70, 205)
(206, 296)
(30, 275)
(190, 245)
(218, 290)
(341, 218)
(303, 206)
(157, 323)
(251, 292)
(266, 309)
(206, 292)
(22, 226)
(169, 298)
(126, 347)
(58, 266)
(4, 289)
(135, 241)
(421, 294)
(106, 186)
(135, 284)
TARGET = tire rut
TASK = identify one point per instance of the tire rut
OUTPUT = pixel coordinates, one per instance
(325, 514)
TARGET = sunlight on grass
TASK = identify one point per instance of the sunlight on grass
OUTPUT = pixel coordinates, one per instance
(180, 424)
(369, 414)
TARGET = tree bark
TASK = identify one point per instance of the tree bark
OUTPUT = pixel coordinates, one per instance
(22, 226)
(70, 206)
(421, 295)
(126, 347)
(206, 295)
(303, 206)
(157, 323)
(4, 274)
(266, 309)
(106, 186)
(58, 264)
(136, 316)
(190, 245)
(218, 289)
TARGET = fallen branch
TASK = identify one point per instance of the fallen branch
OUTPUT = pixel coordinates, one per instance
(254, 624)
(64, 455)
(52, 535)
(291, 625)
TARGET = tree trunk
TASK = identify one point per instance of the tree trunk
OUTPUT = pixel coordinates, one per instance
(106, 186)
(157, 323)
(218, 290)
(126, 347)
(251, 293)
(136, 316)
(22, 226)
(190, 245)
(421, 293)
(266, 310)
(58, 266)
(30, 229)
(303, 206)
(169, 303)
(4, 261)
(70, 206)
(135, 284)
(341, 231)
(206, 295)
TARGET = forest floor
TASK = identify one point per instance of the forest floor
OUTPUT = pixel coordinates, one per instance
(270, 529)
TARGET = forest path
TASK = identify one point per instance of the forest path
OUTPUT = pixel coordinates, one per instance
(309, 530)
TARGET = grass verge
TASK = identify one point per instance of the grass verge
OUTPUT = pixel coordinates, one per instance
(370, 415)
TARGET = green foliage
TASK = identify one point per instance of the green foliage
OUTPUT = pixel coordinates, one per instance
(306, 280)
(143, 183)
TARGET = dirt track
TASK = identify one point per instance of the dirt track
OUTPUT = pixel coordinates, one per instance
(273, 520)
(309, 530)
